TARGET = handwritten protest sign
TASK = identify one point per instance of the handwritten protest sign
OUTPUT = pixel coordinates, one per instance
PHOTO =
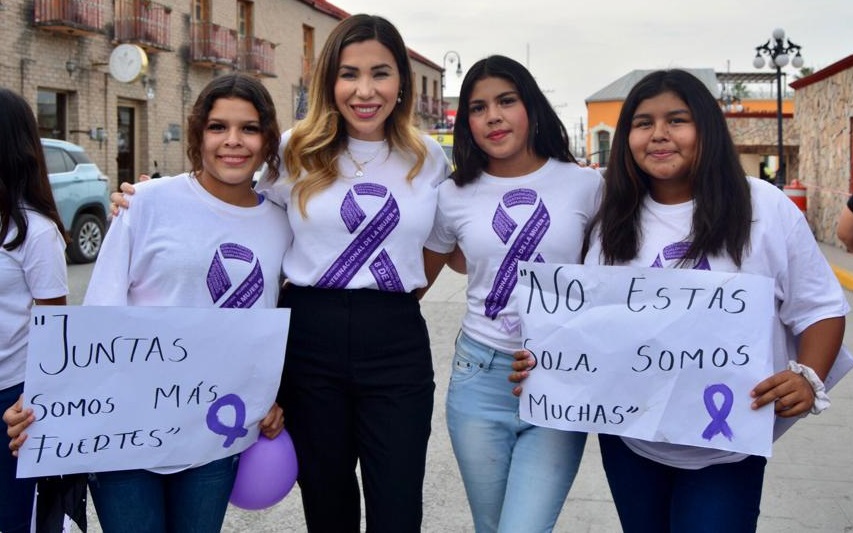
(115, 388)
(665, 355)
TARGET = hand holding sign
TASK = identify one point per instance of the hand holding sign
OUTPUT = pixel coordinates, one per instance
(662, 355)
(114, 388)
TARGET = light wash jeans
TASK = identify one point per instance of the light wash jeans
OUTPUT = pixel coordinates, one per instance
(139, 501)
(502, 458)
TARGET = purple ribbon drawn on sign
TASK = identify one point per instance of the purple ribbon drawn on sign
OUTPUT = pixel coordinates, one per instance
(360, 250)
(718, 422)
(231, 433)
(219, 283)
(521, 249)
(679, 250)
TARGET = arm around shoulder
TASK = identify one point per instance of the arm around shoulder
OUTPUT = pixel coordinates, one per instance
(844, 231)
(433, 263)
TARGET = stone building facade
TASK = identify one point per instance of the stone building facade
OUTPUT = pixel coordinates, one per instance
(57, 52)
(756, 136)
(824, 103)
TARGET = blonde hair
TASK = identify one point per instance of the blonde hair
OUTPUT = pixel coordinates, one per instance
(311, 154)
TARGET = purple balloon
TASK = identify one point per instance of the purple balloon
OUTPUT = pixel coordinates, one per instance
(265, 474)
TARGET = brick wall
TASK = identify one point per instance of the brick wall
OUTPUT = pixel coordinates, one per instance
(824, 110)
(35, 59)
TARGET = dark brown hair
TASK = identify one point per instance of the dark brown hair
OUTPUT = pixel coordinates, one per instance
(23, 173)
(246, 88)
(723, 209)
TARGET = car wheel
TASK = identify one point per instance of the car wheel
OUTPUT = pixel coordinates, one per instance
(87, 235)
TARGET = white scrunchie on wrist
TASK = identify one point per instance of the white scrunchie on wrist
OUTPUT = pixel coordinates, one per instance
(821, 400)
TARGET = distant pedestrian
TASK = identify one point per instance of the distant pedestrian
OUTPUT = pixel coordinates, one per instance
(517, 194)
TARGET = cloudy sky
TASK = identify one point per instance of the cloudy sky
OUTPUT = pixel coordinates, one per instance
(575, 48)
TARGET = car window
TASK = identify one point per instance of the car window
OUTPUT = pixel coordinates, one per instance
(80, 158)
(57, 160)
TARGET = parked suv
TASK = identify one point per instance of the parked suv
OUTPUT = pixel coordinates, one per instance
(82, 196)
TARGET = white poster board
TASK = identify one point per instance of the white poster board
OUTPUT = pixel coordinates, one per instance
(115, 388)
(667, 355)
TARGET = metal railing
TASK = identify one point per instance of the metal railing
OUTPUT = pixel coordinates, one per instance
(144, 22)
(257, 56)
(83, 14)
(213, 44)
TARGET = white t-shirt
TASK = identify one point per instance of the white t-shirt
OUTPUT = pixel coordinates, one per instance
(781, 247)
(368, 231)
(498, 222)
(178, 245)
(35, 269)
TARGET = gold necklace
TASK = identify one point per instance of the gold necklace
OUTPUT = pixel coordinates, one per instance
(359, 166)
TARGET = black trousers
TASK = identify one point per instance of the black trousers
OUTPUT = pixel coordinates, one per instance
(358, 387)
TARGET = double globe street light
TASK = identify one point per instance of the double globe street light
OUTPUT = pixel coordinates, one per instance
(454, 57)
(778, 49)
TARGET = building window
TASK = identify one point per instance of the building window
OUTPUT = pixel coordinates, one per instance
(307, 54)
(603, 147)
(245, 19)
(51, 114)
(308, 43)
(201, 10)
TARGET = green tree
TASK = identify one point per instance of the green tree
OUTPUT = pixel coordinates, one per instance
(805, 71)
(740, 90)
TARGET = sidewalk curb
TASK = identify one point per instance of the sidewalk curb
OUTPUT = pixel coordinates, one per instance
(844, 277)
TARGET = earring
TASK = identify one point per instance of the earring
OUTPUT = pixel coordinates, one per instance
(400, 97)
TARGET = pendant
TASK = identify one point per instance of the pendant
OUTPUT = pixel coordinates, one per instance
(359, 173)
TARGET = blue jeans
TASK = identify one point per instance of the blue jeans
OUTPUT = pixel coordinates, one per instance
(16, 502)
(140, 501)
(651, 497)
(502, 458)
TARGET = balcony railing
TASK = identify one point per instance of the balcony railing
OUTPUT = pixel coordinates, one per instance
(72, 17)
(143, 22)
(213, 45)
(435, 107)
(422, 107)
(428, 107)
(257, 56)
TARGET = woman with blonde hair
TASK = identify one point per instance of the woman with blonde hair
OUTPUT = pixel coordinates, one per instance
(358, 182)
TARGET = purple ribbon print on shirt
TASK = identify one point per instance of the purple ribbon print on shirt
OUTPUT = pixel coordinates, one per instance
(366, 242)
(677, 251)
(219, 283)
(521, 249)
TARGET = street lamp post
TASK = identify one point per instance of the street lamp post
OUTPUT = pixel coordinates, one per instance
(452, 56)
(778, 49)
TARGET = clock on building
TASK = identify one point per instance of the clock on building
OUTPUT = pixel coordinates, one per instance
(128, 62)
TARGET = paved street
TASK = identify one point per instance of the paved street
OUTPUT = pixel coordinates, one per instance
(808, 486)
